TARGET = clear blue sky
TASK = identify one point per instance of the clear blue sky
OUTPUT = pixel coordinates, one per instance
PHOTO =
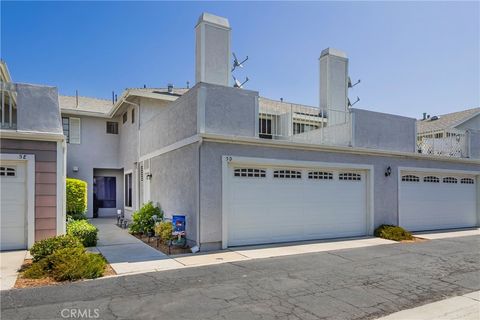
(412, 57)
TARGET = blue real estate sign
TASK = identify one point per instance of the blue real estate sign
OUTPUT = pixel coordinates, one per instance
(178, 222)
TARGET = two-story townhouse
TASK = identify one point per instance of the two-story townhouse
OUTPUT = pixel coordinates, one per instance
(247, 170)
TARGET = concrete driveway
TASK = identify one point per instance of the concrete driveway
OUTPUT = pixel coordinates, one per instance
(10, 262)
(358, 283)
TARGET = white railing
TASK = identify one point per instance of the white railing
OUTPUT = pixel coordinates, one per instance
(283, 121)
(8, 97)
(450, 143)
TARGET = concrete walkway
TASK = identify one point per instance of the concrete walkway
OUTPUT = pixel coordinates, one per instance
(10, 262)
(466, 307)
(127, 254)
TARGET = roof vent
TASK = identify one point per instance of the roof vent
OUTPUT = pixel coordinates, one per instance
(170, 88)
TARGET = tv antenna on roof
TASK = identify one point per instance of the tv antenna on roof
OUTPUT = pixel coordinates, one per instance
(352, 104)
(236, 63)
(350, 85)
(239, 84)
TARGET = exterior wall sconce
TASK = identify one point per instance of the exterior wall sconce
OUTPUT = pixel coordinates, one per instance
(75, 169)
(388, 172)
(149, 176)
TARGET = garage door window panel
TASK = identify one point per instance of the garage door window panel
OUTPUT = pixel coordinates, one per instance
(467, 181)
(450, 180)
(320, 175)
(287, 174)
(349, 176)
(249, 173)
(431, 179)
(8, 171)
(410, 178)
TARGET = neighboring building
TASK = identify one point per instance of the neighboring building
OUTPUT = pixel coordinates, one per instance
(32, 164)
(454, 134)
(248, 170)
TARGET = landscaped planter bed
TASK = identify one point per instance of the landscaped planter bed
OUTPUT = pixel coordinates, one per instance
(48, 281)
(152, 242)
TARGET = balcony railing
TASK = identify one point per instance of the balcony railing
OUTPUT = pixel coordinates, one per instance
(304, 124)
(8, 98)
(444, 143)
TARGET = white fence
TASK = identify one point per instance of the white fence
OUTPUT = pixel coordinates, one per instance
(283, 121)
(451, 144)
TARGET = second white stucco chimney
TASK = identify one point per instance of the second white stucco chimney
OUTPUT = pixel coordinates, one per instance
(212, 50)
(334, 84)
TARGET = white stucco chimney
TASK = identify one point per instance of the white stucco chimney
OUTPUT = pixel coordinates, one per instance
(334, 84)
(212, 50)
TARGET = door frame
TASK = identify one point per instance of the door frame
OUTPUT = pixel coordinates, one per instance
(29, 159)
(228, 160)
(474, 173)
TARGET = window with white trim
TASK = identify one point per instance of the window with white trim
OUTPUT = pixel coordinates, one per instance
(112, 127)
(467, 181)
(128, 189)
(287, 174)
(249, 173)
(8, 171)
(432, 179)
(125, 117)
(74, 131)
(450, 180)
(349, 176)
(66, 128)
(410, 178)
(320, 175)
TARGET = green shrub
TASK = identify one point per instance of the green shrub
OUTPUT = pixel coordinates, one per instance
(76, 197)
(84, 231)
(68, 264)
(44, 248)
(76, 216)
(74, 263)
(37, 270)
(164, 230)
(392, 233)
(142, 219)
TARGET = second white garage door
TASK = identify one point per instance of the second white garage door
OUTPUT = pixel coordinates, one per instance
(429, 201)
(267, 205)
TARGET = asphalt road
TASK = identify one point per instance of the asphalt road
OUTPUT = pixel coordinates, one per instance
(362, 283)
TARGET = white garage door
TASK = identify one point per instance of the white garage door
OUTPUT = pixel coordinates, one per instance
(13, 206)
(266, 205)
(437, 201)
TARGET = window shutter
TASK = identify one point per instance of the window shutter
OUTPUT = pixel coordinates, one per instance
(75, 130)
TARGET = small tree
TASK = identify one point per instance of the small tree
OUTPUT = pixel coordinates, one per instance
(76, 198)
(142, 220)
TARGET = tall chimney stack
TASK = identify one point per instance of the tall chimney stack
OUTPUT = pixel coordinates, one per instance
(334, 84)
(212, 50)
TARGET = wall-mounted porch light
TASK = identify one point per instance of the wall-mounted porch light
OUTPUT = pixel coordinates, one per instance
(388, 172)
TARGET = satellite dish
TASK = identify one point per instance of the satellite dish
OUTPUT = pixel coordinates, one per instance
(239, 84)
(236, 63)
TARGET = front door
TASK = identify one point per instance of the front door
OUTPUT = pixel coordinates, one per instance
(104, 196)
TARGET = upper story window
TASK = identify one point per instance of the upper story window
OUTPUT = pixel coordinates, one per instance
(467, 181)
(320, 175)
(410, 178)
(350, 176)
(125, 117)
(303, 127)
(431, 179)
(450, 180)
(287, 174)
(112, 127)
(265, 128)
(128, 189)
(66, 128)
(71, 129)
(249, 172)
(133, 115)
